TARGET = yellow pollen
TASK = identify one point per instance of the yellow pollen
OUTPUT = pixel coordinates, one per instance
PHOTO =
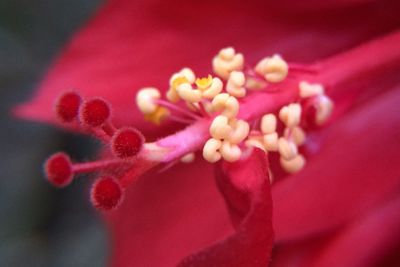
(178, 81)
(204, 83)
(157, 116)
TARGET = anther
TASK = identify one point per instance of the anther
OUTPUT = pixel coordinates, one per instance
(220, 128)
(268, 123)
(230, 152)
(229, 105)
(185, 75)
(290, 114)
(274, 69)
(67, 106)
(324, 108)
(252, 142)
(187, 93)
(146, 99)
(227, 61)
(240, 130)
(106, 193)
(235, 84)
(270, 141)
(94, 112)
(188, 158)
(308, 90)
(211, 87)
(293, 165)
(58, 169)
(127, 142)
(287, 149)
(296, 134)
(210, 150)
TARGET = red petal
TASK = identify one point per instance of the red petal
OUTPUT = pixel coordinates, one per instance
(355, 170)
(246, 189)
(131, 44)
(371, 240)
(166, 216)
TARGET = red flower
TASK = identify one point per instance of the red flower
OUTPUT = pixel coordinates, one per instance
(341, 210)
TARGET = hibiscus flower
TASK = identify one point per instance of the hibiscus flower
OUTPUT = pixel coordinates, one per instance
(341, 209)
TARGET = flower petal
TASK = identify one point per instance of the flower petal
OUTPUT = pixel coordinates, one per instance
(355, 170)
(246, 189)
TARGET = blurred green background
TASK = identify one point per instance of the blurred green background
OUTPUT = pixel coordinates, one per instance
(40, 225)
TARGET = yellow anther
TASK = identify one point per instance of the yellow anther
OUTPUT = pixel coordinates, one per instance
(227, 61)
(293, 165)
(220, 128)
(185, 75)
(290, 114)
(235, 84)
(240, 130)
(178, 81)
(254, 143)
(307, 89)
(210, 150)
(146, 99)
(157, 116)
(274, 69)
(187, 93)
(296, 134)
(230, 152)
(204, 83)
(229, 105)
(213, 89)
(270, 141)
(324, 109)
(268, 123)
(287, 149)
(188, 158)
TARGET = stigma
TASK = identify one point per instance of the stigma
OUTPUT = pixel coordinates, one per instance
(224, 115)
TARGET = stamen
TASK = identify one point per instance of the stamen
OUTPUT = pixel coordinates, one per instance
(210, 150)
(236, 83)
(227, 61)
(268, 123)
(287, 149)
(293, 165)
(274, 69)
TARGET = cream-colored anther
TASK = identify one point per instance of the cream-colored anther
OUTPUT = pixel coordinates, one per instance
(307, 89)
(185, 75)
(294, 165)
(287, 149)
(185, 72)
(214, 89)
(268, 123)
(227, 61)
(296, 134)
(240, 130)
(290, 115)
(187, 93)
(324, 109)
(254, 143)
(230, 152)
(146, 99)
(188, 158)
(210, 150)
(220, 128)
(270, 141)
(274, 69)
(229, 105)
(218, 103)
(235, 84)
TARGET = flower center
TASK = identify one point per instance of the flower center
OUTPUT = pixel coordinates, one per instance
(271, 106)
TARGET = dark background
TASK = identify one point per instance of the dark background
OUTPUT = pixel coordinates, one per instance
(40, 225)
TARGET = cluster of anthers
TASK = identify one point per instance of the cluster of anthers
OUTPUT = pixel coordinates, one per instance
(225, 117)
